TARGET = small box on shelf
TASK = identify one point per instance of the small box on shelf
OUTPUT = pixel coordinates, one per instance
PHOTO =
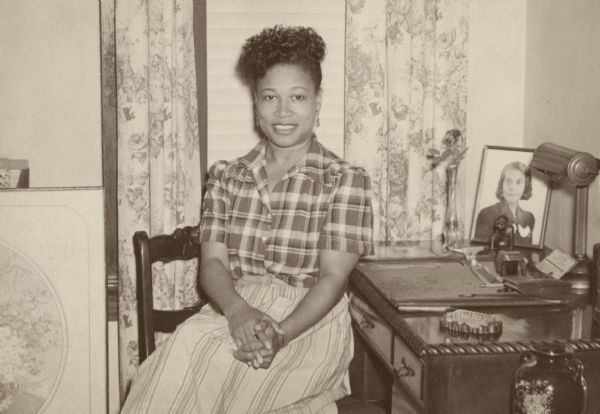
(14, 173)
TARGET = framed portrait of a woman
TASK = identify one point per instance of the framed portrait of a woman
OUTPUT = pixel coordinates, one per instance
(512, 196)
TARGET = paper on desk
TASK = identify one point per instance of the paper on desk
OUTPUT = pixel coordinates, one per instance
(556, 264)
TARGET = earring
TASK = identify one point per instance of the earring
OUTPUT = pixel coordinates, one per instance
(256, 120)
(318, 122)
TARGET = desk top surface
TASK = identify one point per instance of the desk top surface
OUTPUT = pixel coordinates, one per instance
(413, 295)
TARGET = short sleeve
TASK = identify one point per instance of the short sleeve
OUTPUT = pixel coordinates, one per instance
(349, 222)
(215, 207)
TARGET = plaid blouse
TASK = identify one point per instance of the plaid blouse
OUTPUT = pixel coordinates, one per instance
(321, 203)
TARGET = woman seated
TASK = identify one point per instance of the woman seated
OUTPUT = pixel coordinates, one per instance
(282, 228)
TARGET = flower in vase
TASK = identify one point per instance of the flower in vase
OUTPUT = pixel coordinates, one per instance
(454, 151)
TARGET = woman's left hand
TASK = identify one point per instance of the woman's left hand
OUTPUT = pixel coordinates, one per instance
(260, 354)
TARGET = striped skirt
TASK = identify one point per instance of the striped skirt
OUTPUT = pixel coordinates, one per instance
(194, 370)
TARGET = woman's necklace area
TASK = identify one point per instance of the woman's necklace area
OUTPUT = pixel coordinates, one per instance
(276, 169)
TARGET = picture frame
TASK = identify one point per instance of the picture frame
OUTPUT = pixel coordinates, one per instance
(53, 301)
(529, 225)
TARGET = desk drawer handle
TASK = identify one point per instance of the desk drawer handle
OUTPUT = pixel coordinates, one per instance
(404, 370)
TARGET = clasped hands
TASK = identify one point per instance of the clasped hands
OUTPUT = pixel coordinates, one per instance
(257, 336)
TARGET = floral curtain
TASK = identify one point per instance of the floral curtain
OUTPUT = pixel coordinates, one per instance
(158, 150)
(406, 72)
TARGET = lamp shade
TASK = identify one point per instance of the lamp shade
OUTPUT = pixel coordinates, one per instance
(558, 163)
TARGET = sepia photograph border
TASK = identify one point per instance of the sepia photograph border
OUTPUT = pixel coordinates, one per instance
(493, 159)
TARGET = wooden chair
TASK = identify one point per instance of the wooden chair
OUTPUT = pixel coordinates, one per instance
(181, 245)
(148, 250)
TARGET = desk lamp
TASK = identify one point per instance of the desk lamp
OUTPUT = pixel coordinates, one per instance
(579, 169)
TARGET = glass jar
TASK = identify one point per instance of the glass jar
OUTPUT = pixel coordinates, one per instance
(549, 380)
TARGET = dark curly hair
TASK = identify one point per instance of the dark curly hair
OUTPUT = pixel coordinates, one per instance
(293, 45)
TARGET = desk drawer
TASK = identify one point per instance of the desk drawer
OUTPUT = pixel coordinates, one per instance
(373, 327)
(408, 368)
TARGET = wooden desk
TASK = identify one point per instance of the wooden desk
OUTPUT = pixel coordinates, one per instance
(406, 359)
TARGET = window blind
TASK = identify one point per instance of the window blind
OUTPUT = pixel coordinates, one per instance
(229, 24)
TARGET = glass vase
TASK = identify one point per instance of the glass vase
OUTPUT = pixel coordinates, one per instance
(452, 232)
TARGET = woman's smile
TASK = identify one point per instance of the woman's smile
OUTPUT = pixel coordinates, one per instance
(284, 129)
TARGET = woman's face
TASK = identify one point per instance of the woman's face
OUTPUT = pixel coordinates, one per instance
(287, 105)
(513, 185)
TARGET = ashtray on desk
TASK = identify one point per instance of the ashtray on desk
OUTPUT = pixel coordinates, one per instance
(470, 323)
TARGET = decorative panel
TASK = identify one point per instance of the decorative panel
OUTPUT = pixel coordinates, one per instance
(52, 301)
